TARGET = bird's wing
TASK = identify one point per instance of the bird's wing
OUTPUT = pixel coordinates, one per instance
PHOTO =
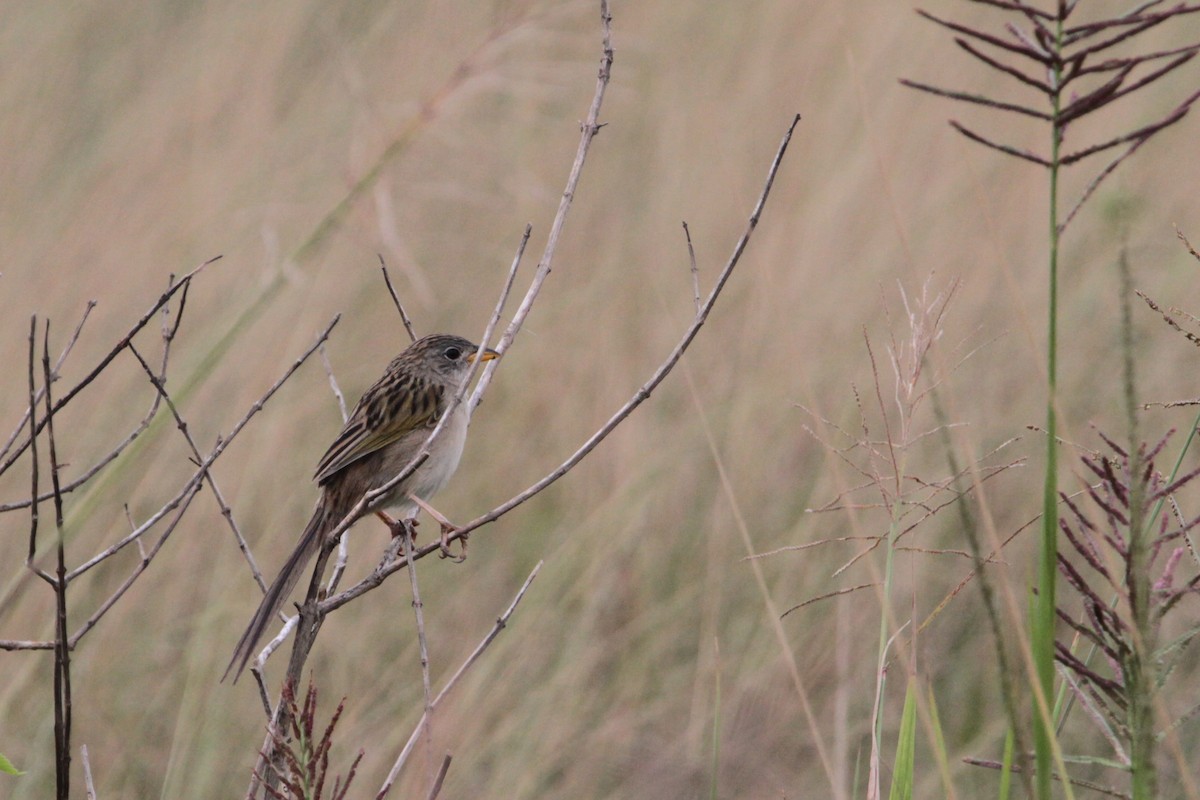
(394, 406)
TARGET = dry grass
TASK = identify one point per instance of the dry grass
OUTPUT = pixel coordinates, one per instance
(135, 144)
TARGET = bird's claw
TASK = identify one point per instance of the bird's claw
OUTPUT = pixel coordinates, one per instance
(398, 527)
(444, 544)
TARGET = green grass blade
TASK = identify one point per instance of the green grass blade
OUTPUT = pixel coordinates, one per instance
(902, 772)
(1006, 767)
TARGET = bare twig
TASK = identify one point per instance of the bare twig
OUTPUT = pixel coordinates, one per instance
(436, 789)
(486, 376)
(343, 553)
(694, 269)
(226, 511)
(202, 468)
(501, 622)
(426, 725)
(33, 467)
(107, 359)
(588, 130)
(640, 396)
(184, 501)
(62, 649)
(87, 773)
(333, 384)
(54, 373)
(408, 326)
(100, 464)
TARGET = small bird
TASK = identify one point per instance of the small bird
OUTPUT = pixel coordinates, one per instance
(384, 433)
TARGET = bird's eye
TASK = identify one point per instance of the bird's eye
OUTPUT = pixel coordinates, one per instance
(453, 353)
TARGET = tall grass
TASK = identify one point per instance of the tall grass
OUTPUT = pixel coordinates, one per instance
(1052, 43)
(149, 140)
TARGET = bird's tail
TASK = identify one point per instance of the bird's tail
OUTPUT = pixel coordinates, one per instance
(277, 593)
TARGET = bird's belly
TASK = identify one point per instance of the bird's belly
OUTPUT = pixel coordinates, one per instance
(434, 473)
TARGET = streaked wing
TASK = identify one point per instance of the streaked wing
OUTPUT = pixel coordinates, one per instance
(396, 404)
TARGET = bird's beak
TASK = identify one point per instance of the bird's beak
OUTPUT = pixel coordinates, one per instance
(488, 355)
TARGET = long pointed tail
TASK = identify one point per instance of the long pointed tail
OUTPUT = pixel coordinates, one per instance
(277, 593)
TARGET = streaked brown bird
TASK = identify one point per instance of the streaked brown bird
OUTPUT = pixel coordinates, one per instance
(383, 435)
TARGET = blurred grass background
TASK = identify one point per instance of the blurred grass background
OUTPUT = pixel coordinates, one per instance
(136, 142)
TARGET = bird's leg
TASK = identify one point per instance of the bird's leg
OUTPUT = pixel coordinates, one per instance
(448, 528)
(396, 526)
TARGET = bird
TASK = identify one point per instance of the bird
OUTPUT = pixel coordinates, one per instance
(382, 436)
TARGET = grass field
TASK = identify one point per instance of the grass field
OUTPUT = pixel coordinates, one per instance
(138, 142)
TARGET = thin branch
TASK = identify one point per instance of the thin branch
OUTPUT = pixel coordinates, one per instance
(62, 649)
(501, 622)
(436, 789)
(226, 511)
(107, 359)
(408, 326)
(333, 384)
(588, 130)
(694, 269)
(202, 468)
(490, 367)
(143, 563)
(104, 460)
(33, 467)
(426, 725)
(54, 373)
(640, 396)
(89, 787)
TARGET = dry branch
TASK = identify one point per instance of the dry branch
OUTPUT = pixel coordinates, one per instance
(640, 396)
(83, 383)
(501, 623)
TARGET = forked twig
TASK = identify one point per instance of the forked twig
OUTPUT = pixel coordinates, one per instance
(501, 622)
(54, 374)
(92, 374)
(640, 396)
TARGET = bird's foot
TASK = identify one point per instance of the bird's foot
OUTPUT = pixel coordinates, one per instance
(444, 544)
(399, 527)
